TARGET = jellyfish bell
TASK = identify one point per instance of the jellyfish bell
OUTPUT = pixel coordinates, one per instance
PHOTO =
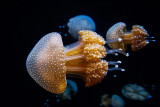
(117, 101)
(80, 22)
(118, 38)
(113, 36)
(46, 64)
(135, 92)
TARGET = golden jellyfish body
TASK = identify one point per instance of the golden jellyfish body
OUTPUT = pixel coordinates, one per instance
(118, 38)
(50, 62)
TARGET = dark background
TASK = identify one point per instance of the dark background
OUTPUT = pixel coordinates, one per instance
(26, 22)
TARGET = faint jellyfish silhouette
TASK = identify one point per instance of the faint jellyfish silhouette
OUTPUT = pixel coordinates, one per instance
(118, 38)
(105, 100)
(71, 90)
(135, 92)
(115, 101)
(80, 22)
(50, 62)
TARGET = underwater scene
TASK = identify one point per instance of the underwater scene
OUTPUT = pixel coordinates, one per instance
(100, 54)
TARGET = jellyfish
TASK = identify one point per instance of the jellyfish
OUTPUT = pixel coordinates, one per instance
(105, 100)
(80, 22)
(115, 101)
(49, 62)
(118, 38)
(135, 92)
(71, 90)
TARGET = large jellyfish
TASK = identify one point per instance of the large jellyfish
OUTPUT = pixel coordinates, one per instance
(135, 92)
(80, 22)
(50, 62)
(115, 101)
(118, 38)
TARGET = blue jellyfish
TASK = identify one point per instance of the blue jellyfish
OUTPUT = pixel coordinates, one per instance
(117, 101)
(135, 92)
(80, 22)
(70, 90)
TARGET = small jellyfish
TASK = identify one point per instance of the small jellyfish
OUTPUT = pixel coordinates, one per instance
(115, 101)
(80, 22)
(50, 62)
(71, 90)
(105, 100)
(118, 38)
(135, 92)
